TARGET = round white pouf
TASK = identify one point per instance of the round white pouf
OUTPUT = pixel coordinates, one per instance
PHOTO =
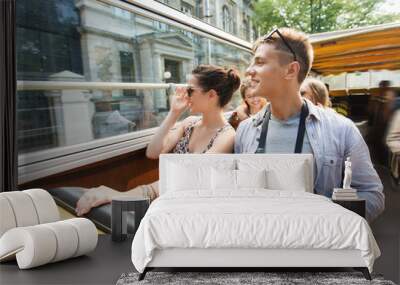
(26, 208)
(67, 240)
(6, 215)
(23, 208)
(87, 235)
(33, 246)
(46, 208)
(40, 244)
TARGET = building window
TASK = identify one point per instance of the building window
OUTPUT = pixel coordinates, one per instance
(199, 9)
(174, 68)
(226, 19)
(246, 30)
(127, 70)
(255, 33)
(186, 8)
(36, 125)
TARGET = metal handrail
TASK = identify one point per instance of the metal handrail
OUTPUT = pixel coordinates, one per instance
(73, 85)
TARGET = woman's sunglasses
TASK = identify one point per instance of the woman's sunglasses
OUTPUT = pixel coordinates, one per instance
(189, 91)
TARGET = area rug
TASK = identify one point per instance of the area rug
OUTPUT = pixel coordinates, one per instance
(242, 278)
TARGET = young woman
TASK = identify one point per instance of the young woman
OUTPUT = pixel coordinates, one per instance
(315, 91)
(250, 106)
(210, 89)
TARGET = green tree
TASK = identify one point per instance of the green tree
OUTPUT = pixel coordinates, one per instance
(315, 16)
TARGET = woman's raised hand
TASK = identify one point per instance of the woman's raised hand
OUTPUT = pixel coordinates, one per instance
(179, 101)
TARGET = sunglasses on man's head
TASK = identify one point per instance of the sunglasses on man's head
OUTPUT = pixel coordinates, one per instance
(269, 37)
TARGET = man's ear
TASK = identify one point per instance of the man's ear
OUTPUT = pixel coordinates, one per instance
(293, 70)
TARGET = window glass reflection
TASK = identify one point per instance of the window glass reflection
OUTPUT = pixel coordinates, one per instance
(89, 41)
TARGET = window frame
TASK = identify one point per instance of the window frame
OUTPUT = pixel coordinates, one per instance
(226, 19)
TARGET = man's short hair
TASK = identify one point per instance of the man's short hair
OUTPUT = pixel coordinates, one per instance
(300, 44)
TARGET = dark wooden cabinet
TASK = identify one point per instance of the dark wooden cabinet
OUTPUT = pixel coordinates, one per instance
(357, 206)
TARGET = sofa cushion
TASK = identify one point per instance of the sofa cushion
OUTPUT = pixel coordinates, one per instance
(294, 181)
(188, 177)
(184, 173)
(251, 178)
(285, 172)
(234, 180)
(223, 179)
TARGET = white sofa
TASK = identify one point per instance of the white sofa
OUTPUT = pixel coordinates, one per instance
(31, 231)
(247, 210)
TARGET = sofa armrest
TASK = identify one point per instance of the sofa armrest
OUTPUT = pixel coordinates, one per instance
(67, 197)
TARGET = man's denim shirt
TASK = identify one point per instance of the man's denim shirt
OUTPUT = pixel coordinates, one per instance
(333, 138)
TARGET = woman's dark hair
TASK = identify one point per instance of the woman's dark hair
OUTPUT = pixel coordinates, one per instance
(243, 88)
(224, 81)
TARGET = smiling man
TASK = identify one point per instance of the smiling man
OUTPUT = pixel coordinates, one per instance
(292, 124)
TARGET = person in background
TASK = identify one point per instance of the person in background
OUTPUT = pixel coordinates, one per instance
(380, 110)
(380, 105)
(315, 91)
(250, 106)
(396, 102)
(393, 145)
(210, 89)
